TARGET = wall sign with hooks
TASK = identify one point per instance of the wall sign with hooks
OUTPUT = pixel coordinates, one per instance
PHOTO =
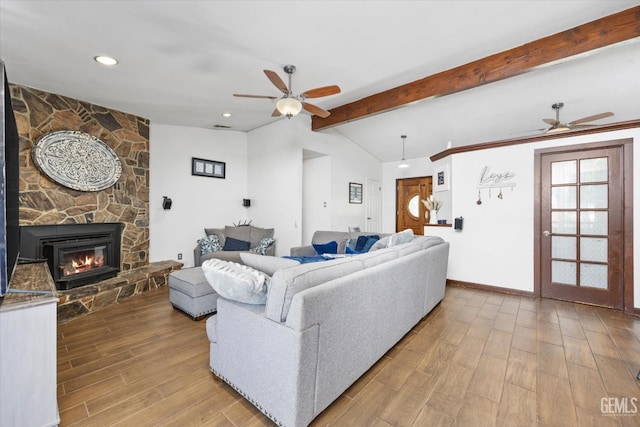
(500, 180)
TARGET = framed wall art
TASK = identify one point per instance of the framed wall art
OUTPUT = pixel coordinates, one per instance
(355, 192)
(441, 179)
(210, 168)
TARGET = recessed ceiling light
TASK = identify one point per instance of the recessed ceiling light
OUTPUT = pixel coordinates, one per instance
(105, 60)
(226, 114)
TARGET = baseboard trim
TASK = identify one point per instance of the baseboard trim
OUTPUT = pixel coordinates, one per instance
(471, 285)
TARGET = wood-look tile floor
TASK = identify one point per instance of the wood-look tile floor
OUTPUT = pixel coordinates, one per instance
(478, 359)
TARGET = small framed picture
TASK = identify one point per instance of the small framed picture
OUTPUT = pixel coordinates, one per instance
(441, 179)
(355, 192)
(210, 168)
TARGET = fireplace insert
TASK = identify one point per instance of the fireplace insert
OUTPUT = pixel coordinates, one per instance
(77, 254)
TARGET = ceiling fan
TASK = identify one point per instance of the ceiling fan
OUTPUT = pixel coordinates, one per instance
(289, 104)
(557, 126)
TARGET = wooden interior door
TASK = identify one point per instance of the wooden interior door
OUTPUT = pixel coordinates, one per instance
(410, 211)
(581, 221)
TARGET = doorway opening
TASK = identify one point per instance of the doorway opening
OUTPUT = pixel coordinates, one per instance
(410, 211)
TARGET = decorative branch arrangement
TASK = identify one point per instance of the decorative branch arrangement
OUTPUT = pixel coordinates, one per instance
(432, 204)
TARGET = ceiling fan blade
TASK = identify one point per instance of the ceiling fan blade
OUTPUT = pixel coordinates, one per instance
(583, 126)
(277, 81)
(321, 91)
(240, 95)
(591, 118)
(314, 109)
(552, 122)
(276, 113)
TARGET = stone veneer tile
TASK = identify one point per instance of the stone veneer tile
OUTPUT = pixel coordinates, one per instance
(82, 300)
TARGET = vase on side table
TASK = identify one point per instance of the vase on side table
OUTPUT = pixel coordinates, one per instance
(433, 217)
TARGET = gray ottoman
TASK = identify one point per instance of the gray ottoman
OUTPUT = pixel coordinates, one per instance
(190, 292)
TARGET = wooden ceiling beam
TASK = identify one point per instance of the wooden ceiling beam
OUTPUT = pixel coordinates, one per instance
(597, 34)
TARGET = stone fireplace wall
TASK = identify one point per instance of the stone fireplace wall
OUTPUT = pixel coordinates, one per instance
(43, 201)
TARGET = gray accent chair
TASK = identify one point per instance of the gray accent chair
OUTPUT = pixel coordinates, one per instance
(247, 233)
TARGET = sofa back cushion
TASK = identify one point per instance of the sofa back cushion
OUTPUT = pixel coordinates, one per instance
(289, 281)
(370, 259)
(257, 234)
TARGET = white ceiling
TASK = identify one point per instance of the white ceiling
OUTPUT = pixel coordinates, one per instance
(181, 61)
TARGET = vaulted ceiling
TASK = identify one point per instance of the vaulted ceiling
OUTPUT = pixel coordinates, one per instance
(182, 61)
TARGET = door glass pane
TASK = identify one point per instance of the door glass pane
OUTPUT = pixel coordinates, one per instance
(593, 249)
(594, 196)
(563, 247)
(593, 276)
(563, 222)
(594, 170)
(414, 206)
(563, 172)
(594, 222)
(563, 272)
(563, 198)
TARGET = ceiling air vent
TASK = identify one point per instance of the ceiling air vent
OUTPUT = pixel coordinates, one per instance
(221, 127)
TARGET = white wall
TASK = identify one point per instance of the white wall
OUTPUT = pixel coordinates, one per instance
(275, 178)
(198, 202)
(496, 246)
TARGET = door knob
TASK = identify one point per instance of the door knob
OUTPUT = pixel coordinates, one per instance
(546, 233)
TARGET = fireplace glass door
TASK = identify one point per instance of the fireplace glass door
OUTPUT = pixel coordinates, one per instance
(81, 260)
(77, 262)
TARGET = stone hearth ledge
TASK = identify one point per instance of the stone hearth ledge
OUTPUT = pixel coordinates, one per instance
(85, 299)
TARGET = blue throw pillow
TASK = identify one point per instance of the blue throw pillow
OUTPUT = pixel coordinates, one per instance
(232, 244)
(362, 240)
(370, 241)
(326, 248)
(350, 251)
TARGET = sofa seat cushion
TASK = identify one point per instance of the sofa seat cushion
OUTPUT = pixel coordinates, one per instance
(236, 282)
(233, 256)
(287, 282)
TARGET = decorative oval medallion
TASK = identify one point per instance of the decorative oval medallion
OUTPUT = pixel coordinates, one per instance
(77, 160)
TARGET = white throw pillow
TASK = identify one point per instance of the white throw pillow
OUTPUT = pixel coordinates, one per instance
(236, 282)
(265, 263)
(380, 244)
(404, 236)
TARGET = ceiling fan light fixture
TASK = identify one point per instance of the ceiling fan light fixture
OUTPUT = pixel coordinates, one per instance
(403, 163)
(289, 106)
(106, 60)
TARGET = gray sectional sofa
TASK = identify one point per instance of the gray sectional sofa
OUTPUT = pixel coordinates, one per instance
(324, 325)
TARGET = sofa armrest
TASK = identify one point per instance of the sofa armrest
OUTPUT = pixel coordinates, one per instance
(303, 251)
(271, 250)
(197, 251)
